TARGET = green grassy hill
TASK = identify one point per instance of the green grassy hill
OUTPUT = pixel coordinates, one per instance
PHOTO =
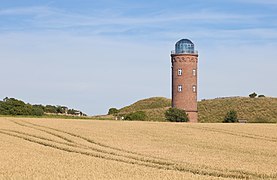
(213, 110)
(153, 107)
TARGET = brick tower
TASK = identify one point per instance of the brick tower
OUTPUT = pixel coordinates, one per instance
(184, 78)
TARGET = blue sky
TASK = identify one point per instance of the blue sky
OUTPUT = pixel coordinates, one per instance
(93, 55)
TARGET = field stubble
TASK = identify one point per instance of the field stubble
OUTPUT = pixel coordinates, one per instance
(59, 149)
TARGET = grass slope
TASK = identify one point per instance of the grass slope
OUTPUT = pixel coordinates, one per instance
(213, 110)
(153, 107)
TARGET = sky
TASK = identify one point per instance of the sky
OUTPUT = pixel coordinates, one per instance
(93, 55)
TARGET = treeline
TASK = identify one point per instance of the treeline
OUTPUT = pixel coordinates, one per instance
(12, 106)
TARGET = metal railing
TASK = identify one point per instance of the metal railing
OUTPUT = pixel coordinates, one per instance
(185, 52)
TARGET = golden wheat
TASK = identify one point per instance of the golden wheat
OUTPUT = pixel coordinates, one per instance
(85, 149)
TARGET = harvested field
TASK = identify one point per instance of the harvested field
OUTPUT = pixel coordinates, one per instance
(85, 149)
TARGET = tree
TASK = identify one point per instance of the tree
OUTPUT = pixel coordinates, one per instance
(37, 111)
(261, 95)
(61, 109)
(12, 106)
(113, 111)
(231, 117)
(176, 115)
(50, 109)
(252, 95)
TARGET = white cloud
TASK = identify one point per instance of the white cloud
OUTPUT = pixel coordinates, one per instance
(47, 17)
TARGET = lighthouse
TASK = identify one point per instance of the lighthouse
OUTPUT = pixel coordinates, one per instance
(184, 61)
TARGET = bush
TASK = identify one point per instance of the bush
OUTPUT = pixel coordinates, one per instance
(252, 95)
(261, 95)
(12, 106)
(176, 115)
(113, 111)
(37, 111)
(50, 109)
(138, 115)
(231, 117)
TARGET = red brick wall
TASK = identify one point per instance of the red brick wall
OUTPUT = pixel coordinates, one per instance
(187, 98)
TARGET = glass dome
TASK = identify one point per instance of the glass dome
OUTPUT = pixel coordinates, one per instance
(184, 46)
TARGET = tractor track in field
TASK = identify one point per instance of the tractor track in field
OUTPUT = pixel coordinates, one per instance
(72, 143)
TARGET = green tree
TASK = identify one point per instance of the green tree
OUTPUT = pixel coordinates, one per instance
(50, 109)
(252, 95)
(37, 111)
(113, 111)
(61, 109)
(176, 115)
(12, 106)
(231, 117)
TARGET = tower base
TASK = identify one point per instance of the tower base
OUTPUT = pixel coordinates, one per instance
(193, 117)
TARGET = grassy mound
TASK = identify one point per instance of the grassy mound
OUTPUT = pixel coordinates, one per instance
(153, 107)
(251, 109)
(150, 103)
(262, 110)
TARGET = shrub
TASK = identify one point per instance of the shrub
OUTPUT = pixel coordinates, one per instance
(261, 95)
(113, 111)
(176, 115)
(12, 106)
(252, 95)
(50, 109)
(37, 111)
(231, 117)
(138, 115)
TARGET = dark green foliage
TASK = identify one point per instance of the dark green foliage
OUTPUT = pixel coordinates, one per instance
(176, 115)
(138, 115)
(231, 117)
(50, 109)
(37, 111)
(12, 106)
(252, 95)
(261, 95)
(61, 109)
(75, 112)
(113, 111)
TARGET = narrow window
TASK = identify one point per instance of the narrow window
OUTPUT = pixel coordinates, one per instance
(194, 88)
(194, 72)
(180, 72)
(180, 88)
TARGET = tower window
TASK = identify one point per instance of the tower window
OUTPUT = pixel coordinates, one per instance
(194, 88)
(194, 72)
(180, 71)
(180, 88)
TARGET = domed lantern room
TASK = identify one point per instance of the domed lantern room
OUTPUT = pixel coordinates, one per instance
(184, 46)
(184, 61)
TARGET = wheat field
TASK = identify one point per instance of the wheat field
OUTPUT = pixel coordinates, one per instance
(89, 149)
